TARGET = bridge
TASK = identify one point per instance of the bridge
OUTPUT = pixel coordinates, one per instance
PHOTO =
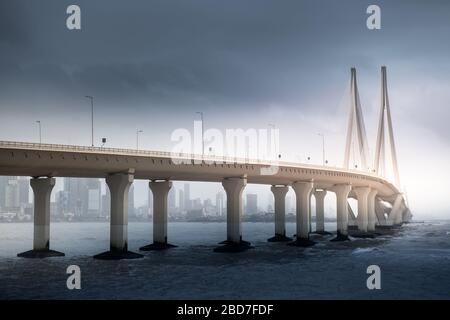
(380, 201)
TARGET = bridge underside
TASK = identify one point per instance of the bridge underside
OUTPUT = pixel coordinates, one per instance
(44, 163)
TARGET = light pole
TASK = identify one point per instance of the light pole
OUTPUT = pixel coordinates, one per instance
(40, 131)
(137, 138)
(323, 147)
(275, 141)
(203, 137)
(92, 119)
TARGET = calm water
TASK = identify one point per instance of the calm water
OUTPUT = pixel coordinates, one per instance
(414, 262)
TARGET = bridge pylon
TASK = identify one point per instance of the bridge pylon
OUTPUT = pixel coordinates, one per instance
(385, 123)
(356, 130)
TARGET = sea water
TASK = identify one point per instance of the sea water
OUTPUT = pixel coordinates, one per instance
(414, 263)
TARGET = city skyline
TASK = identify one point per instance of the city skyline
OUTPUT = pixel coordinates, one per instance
(89, 198)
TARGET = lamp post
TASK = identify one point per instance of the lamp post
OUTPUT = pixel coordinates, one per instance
(40, 131)
(137, 138)
(92, 119)
(273, 127)
(323, 147)
(203, 137)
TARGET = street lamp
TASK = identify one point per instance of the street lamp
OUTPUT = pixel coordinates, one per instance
(203, 138)
(323, 147)
(137, 138)
(40, 131)
(275, 141)
(92, 119)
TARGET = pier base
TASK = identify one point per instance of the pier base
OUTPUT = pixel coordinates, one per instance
(157, 246)
(45, 253)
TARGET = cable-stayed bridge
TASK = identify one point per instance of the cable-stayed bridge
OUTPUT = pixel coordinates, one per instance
(380, 201)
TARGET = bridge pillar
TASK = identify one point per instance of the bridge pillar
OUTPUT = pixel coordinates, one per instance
(42, 189)
(362, 219)
(279, 194)
(342, 191)
(160, 190)
(319, 195)
(119, 185)
(396, 214)
(303, 207)
(234, 243)
(372, 218)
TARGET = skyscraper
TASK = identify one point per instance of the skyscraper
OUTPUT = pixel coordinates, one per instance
(106, 204)
(12, 195)
(24, 191)
(3, 183)
(94, 197)
(77, 196)
(181, 200)
(171, 201)
(187, 196)
(220, 205)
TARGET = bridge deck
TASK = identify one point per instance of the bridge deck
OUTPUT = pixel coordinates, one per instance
(33, 159)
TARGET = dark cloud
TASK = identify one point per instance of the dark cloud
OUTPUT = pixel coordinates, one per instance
(211, 53)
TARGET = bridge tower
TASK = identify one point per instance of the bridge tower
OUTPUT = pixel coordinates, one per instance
(356, 130)
(385, 123)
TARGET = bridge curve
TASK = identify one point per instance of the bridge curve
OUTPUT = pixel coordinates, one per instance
(44, 162)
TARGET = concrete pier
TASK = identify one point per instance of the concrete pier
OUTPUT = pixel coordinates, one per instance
(319, 195)
(160, 190)
(279, 194)
(362, 220)
(42, 189)
(342, 191)
(234, 243)
(303, 197)
(119, 185)
(372, 216)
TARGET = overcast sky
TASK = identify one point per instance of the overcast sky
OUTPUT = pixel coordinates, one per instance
(245, 63)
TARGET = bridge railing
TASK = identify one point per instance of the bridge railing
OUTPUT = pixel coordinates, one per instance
(179, 156)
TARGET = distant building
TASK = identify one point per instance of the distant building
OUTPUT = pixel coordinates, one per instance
(77, 196)
(62, 203)
(106, 204)
(187, 196)
(12, 195)
(3, 183)
(181, 200)
(220, 204)
(171, 199)
(24, 191)
(84, 197)
(251, 204)
(94, 197)
(195, 214)
(196, 204)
